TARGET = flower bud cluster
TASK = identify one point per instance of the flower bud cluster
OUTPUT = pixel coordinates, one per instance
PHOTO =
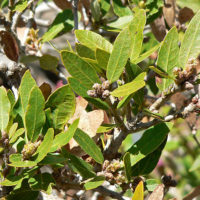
(29, 149)
(100, 90)
(112, 172)
(186, 76)
(4, 141)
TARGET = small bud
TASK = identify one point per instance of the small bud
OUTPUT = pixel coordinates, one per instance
(96, 86)
(106, 94)
(3, 66)
(29, 149)
(176, 71)
(195, 99)
(188, 86)
(9, 73)
(105, 85)
(12, 66)
(198, 104)
(119, 82)
(92, 93)
(142, 4)
(105, 164)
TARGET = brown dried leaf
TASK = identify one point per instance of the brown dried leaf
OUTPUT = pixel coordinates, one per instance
(89, 122)
(10, 45)
(169, 12)
(46, 90)
(158, 193)
(185, 14)
(63, 4)
(158, 28)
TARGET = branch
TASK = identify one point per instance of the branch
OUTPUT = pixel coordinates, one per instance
(75, 10)
(193, 194)
(112, 149)
(77, 186)
(164, 97)
(106, 192)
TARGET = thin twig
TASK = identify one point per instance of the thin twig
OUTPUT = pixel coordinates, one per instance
(75, 11)
(106, 192)
(193, 194)
(164, 97)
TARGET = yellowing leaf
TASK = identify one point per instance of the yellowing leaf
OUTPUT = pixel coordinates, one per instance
(139, 192)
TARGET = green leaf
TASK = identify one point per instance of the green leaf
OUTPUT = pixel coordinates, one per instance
(121, 10)
(152, 114)
(151, 184)
(16, 135)
(23, 195)
(12, 130)
(94, 183)
(139, 192)
(127, 165)
(131, 87)
(190, 47)
(93, 40)
(105, 6)
(49, 62)
(4, 109)
(94, 65)
(53, 159)
(20, 5)
(146, 54)
(95, 10)
(196, 164)
(148, 163)
(105, 128)
(82, 91)
(150, 141)
(160, 72)
(79, 69)
(27, 83)
(124, 101)
(11, 98)
(154, 9)
(45, 146)
(120, 23)
(62, 104)
(78, 165)
(63, 138)
(102, 58)
(15, 157)
(25, 163)
(12, 181)
(119, 56)
(88, 145)
(136, 28)
(63, 22)
(84, 51)
(42, 182)
(35, 115)
(168, 56)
